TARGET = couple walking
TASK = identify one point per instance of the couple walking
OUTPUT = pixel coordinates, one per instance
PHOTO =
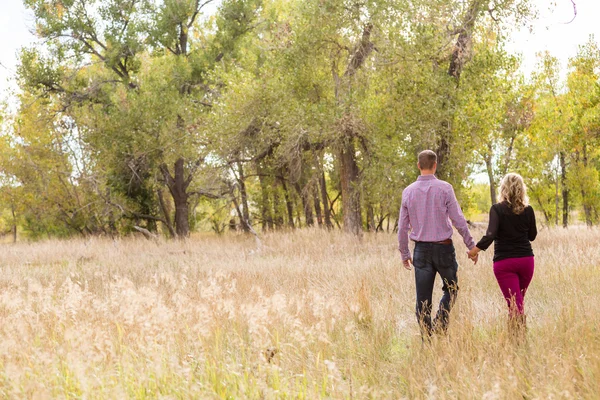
(428, 207)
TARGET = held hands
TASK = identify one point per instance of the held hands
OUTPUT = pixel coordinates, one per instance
(473, 254)
(407, 263)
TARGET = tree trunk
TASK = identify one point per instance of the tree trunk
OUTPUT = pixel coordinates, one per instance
(490, 171)
(556, 198)
(178, 185)
(298, 213)
(371, 226)
(304, 196)
(587, 209)
(14, 222)
(460, 53)
(166, 213)
(458, 59)
(509, 151)
(244, 195)
(350, 189)
(317, 203)
(349, 175)
(565, 190)
(182, 227)
(265, 210)
(443, 152)
(277, 207)
(325, 199)
(243, 222)
(288, 203)
(543, 208)
(382, 219)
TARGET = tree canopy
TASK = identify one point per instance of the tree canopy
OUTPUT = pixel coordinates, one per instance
(276, 114)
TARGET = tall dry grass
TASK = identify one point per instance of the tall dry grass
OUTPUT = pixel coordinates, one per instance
(310, 314)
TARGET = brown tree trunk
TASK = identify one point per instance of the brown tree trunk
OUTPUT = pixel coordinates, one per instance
(371, 226)
(166, 213)
(178, 185)
(243, 222)
(443, 152)
(543, 208)
(462, 46)
(565, 190)
(277, 207)
(381, 221)
(14, 222)
(288, 203)
(298, 213)
(458, 59)
(350, 189)
(307, 207)
(349, 175)
(244, 196)
(490, 172)
(325, 199)
(317, 203)
(265, 210)
(509, 151)
(587, 209)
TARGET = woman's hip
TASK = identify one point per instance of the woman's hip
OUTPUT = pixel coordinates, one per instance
(514, 264)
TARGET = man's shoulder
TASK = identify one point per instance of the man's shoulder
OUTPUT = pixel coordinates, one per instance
(443, 184)
(409, 187)
(436, 182)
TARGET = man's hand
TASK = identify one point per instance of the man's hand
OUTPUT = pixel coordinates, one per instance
(473, 254)
(475, 259)
(407, 263)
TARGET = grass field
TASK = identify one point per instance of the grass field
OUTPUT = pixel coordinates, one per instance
(308, 314)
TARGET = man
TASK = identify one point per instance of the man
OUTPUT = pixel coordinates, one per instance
(428, 206)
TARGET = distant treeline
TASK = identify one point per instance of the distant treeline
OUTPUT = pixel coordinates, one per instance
(272, 114)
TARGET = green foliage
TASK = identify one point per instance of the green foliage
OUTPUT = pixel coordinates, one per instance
(268, 104)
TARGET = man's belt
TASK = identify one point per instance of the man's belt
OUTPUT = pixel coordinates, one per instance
(447, 241)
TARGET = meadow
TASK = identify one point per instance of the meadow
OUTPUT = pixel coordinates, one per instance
(306, 314)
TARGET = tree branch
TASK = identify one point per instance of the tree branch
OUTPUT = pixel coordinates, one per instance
(574, 12)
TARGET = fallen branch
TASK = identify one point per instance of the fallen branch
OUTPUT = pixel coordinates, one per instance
(147, 234)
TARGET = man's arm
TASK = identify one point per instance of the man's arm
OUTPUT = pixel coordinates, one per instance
(403, 228)
(458, 219)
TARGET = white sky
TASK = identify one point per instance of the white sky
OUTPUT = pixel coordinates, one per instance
(550, 32)
(553, 32)
(15, 24)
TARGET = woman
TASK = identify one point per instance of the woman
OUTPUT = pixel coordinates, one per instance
(512, 228)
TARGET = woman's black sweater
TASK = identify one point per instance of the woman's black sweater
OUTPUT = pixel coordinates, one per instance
(512, 233)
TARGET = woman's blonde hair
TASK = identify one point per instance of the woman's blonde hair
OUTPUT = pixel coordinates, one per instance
(513, 192)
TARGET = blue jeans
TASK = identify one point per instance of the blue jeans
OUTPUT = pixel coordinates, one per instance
(430, 259)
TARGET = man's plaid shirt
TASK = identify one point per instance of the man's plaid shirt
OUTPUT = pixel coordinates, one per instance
(428, 206)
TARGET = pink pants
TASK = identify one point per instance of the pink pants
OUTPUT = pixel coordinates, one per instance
(514, 276)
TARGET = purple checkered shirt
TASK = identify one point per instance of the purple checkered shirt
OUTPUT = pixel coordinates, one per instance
(428, 206)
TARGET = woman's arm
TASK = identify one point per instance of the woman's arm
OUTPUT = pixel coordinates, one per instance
(490, 235)
(532, 226)
(492, 230)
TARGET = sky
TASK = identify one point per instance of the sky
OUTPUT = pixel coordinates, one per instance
(551, 32)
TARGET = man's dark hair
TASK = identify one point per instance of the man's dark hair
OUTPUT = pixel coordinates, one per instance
(426, 159)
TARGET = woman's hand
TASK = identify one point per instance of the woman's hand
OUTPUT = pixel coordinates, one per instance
(474, 254)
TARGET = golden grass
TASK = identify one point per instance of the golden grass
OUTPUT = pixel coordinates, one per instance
(310, 314)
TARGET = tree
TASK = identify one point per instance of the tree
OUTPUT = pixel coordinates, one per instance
(118, 48)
